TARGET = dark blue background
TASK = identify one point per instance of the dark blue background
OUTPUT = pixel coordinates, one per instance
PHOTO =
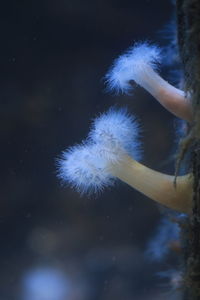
(53, 56)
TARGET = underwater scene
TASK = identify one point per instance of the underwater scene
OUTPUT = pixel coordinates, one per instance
(89, 140)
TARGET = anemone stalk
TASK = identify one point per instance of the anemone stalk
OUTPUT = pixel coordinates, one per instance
(155, 185)
(173, 99)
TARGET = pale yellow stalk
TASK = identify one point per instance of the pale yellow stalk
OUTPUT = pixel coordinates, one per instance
(155, 185)
(170, 97)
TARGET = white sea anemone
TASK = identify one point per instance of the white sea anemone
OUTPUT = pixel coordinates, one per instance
(139, 65)
(119, 131)
(133, 65)
(87, 166)
(109, 153)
